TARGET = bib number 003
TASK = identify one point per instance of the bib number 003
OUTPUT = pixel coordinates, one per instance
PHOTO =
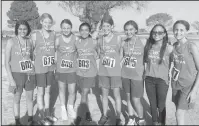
(26, 65)
(108, 62)
(84, 63)
(48, 60)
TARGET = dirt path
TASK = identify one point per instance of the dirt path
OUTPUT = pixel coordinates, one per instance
(8, 118)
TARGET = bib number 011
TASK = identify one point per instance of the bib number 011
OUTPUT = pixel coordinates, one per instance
(26, 65)
(108, 62)
(48, 60)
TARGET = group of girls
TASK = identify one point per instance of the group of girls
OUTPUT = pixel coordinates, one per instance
(124, 62)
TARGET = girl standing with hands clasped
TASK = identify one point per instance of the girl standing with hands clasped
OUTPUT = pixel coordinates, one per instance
(132, 71)
(44, 41)
(86, 68)
(184, 71)
(156, 58)
(66, 68)
(109, 68)
(19, 66)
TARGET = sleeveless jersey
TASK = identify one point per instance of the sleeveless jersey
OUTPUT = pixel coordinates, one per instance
(184, 71)
(86, 57)
(66, 61)
(20, 56)
(44, 53)
(109, 64)
(154, 69)
(132, 67)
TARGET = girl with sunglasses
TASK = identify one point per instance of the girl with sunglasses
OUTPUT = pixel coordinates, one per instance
(156, 59)
(184, 70)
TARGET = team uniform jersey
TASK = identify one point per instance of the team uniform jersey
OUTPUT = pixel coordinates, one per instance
(132, 67)
(20, 57)
(154, 69)
(184, 71)
(44, 53)
(109, 64)
(86, 57)
(66, 61)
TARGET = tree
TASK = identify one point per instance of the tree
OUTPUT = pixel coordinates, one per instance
(195, 24)
(162, 18)
(91, 11)
(23, 10)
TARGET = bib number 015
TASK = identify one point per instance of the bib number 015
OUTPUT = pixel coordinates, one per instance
(48, 60)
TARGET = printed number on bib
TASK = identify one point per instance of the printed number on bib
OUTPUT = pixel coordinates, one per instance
(48, 60)
(130, 62)
(84, 63)
(175, 74)
(108, 62)
(26, 65)
(66, 63)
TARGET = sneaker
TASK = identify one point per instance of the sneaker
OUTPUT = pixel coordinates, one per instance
(131, 122)
(118, 122)
(44, 122)
(64, 115)
(88, 116)
(71, 111)
(52, 118)
(77, 121)
(31, 123)
(141, 122)
(103, 120)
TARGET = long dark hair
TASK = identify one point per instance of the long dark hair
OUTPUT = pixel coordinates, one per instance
(151, 41)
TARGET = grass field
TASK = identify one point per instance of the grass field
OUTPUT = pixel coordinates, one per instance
(94, 103)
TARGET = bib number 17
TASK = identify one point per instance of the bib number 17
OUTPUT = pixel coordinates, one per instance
(48, 60)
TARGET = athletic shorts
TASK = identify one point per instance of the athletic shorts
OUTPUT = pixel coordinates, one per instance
(45, 79)
(21, 80)
(110, 82)
(86, 82)
(179, 97)
(135, 87)
(68, 78)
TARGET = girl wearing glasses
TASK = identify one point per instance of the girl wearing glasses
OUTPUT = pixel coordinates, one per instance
(132, 71)
(185, 77)
(156, 59)
(19, 66)
(44, 41)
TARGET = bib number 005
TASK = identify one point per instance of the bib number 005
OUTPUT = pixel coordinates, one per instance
(84, 63)
(48, 60)
(130, 62)
(66, 63)
(26, 65)
(108, 62)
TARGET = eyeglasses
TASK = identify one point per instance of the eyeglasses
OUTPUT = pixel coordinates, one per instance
(157, 33)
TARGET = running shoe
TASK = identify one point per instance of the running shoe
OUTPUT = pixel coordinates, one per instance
(103, 120)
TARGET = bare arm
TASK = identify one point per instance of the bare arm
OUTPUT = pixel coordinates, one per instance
(195, 53)
(56, 48)
(7, 62)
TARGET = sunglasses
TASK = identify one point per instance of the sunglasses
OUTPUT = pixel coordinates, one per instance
(157, 33)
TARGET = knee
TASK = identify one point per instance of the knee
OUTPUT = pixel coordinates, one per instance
(136, 101)
(17, 98)
(40, 93)
(84, 92)
(180, 113)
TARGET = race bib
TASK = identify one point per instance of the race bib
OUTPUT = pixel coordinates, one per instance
(66, 63)
(84, 63)
(175, 74)
(130, 62)
(48, 60)
(108, 62)
(26, 65)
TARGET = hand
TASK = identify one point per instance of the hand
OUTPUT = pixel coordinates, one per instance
(192, 96)
(12, 87)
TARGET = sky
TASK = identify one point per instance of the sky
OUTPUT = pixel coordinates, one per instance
(187, 10)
